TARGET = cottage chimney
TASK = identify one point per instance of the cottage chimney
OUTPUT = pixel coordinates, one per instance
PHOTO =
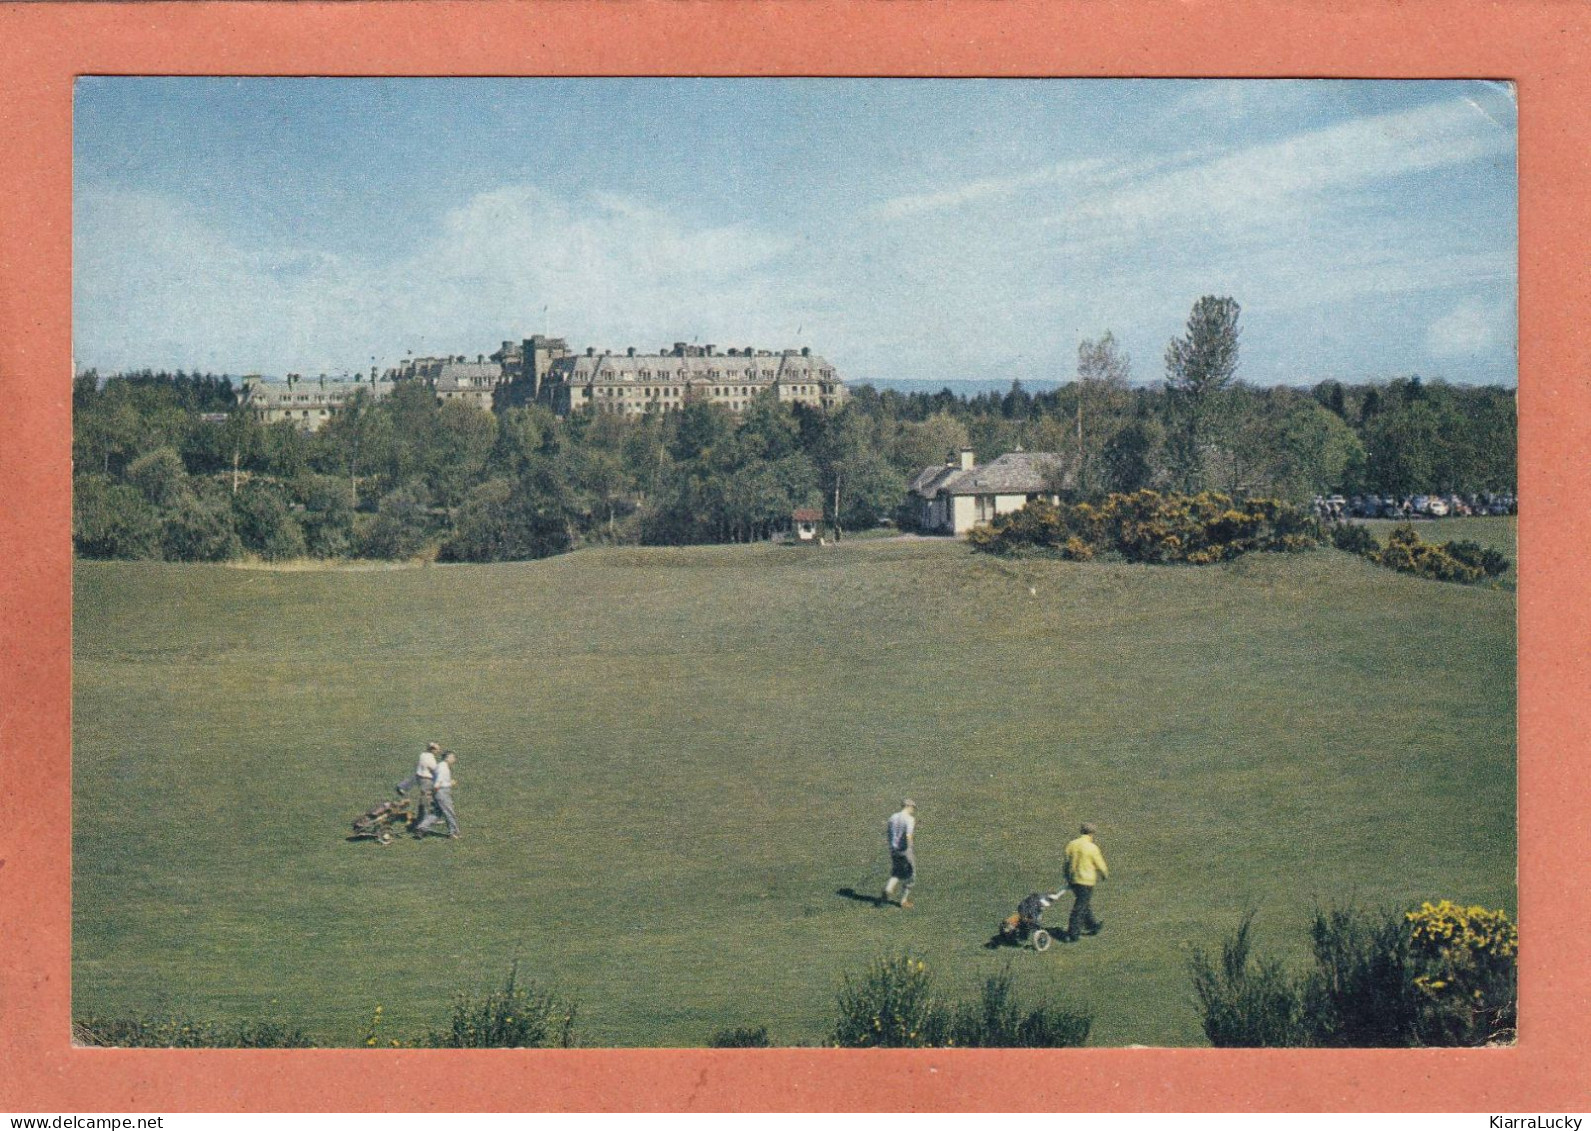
(967, 459)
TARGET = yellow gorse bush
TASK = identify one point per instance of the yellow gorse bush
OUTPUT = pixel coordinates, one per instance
(1470, 956)
(1445, 925)
(1147, 526)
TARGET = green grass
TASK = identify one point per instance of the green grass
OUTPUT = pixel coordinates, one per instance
(672, 760)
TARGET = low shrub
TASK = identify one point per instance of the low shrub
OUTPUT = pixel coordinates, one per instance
(997, 1021)
(1407, 553)
(1245, 1003)
(1443, 975)
(1361, 993)
(1147, 526)
(518, 1016)
(1493, 563)
(745, 1037)
(166, 1032)
(1463, 562)
(374, 1039)
(1354, 538)
(893, 1005)
(890, 1006)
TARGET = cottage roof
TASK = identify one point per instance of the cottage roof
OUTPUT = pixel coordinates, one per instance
(1015, 473)
(928, 481)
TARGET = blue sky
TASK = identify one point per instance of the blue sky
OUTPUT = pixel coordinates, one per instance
(909, 229)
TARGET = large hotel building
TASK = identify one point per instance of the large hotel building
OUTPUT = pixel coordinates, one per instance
(543, 370)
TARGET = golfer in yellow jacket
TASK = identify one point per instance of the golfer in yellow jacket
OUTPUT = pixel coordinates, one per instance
(1085, 867)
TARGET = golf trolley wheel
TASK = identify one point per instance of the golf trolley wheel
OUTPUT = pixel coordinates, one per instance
(1041, 939)
(384, 838)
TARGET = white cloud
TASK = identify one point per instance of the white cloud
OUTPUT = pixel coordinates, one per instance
(1270, 183)
(155, 284)
(1473, 327)
(1073, 174)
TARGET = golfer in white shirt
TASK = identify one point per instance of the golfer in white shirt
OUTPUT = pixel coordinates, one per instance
(443, 794)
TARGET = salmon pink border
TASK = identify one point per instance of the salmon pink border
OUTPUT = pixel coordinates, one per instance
(1542, 46)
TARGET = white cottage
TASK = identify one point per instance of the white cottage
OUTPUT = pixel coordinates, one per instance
(955, 497)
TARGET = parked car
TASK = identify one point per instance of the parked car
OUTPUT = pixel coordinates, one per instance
(1436, 507)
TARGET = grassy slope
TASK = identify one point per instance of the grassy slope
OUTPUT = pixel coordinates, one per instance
(671, 760)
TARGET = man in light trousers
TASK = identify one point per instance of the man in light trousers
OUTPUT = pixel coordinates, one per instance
(443, 795)
(424, 776)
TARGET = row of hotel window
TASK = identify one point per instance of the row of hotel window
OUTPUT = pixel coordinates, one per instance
(668, 393)
(627, 407)
(681, 374)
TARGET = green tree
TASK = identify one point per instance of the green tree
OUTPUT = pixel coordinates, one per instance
(160, 477)
(402, 524)
(503, 520)
(525, 434)
(1130, 457)
(264, 521)
(597, 480)
(112, 520)
(920, 444)
(358, 439)
(1404, 449)
(1199, 365)
(328, 515)
(1104, 371)
(858, 483)
(200, 527)
(461, 442)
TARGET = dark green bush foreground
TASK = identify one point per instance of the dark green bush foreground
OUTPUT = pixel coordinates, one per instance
(1147, 526)
(745, 1037)
(519, 1015)
(893, 1005)
(186, 1033)
(1440, 976)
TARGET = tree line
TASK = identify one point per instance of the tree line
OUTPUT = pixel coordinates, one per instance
(168, 465)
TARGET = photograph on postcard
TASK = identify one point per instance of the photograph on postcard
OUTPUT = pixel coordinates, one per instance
(794, 562)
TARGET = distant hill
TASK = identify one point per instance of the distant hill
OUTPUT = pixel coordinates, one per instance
(960, 388)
